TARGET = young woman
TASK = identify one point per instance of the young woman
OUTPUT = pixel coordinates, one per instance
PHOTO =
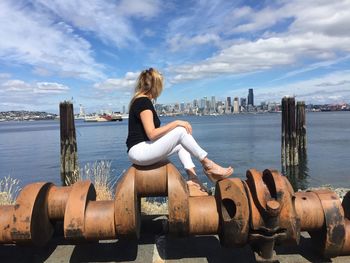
(148, 142)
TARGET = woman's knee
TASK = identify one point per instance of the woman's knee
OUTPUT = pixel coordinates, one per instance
(180, 130)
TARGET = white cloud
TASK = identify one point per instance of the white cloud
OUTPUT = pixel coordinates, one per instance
(32, 38)
(109, 20)
(125, 84)
(331, 88)
(50, 88)
(182, 42)
(264, 54)
(18, 94)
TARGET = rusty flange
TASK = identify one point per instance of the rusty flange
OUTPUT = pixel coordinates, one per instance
(331, 238)
(30, 221)
(233, 210)
(203, 215)
(282, 192)
(177, 202)
(74, 216)
(126, 207)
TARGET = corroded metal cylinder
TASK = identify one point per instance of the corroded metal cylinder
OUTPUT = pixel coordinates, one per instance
(6, 215)
(99, 220)
(309, 209)
(57, 200)
(203, 215)
(151, 180)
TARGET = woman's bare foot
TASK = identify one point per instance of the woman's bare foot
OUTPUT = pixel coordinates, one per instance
(214, 171)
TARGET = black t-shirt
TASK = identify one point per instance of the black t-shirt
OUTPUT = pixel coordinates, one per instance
(137, 133)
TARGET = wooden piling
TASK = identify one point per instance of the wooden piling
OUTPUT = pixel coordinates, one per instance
(289, 150)
(69, 150)
(301, 127)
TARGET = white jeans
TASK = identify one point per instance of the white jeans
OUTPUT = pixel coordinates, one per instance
(175, 141)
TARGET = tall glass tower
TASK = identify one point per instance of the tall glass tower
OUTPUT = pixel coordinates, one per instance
(251, 97)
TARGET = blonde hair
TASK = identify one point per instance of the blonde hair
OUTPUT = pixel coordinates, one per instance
(150, 82)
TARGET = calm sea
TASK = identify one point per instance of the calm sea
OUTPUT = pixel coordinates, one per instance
(30, 151)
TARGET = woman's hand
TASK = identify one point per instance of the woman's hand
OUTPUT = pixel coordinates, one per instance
(186, 125)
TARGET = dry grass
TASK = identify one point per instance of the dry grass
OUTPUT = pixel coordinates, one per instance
(150, 207)
(100, 174)
(9, 190)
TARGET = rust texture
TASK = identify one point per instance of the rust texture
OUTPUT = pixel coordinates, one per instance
(261, 211)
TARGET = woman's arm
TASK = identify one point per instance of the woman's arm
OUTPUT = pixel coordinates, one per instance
(154, 133)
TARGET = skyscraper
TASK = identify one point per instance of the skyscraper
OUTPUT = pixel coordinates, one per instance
(236, 105)
(251, 97)
(228, 105)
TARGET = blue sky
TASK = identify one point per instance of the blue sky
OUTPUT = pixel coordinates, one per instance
(93, 51)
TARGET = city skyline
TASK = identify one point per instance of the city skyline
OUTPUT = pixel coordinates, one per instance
(93, 51)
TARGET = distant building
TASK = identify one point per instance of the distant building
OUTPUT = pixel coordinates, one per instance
(228, 105)
(213, 104)
(182, 106)
(236, 105)
(251, 97)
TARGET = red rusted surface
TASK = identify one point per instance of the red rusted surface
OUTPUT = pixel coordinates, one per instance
(127, 207)
(74, 216)
(234, 212)
(101, 214)
(330, 239)
(151, 180)
(6, 215)
(203, 215)
(309, 210)
(178, 203)
(261, 211)
(30, 221)
(57, 199)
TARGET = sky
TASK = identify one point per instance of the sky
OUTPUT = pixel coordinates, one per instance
(92, 51)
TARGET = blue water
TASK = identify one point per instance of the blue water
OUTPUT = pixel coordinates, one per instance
(30, 151)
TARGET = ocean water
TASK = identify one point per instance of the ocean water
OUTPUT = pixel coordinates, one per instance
(30, 151)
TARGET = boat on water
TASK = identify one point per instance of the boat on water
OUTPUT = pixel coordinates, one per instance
(104, 118)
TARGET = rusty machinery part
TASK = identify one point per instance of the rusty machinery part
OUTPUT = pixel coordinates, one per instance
(101, 214)
(346, 208)
(203, 215)
(151, 180)
(330, 239)
(57, 200)
(178, 203)
(310, 219)
(74, 216)
(127, 207)
(273, 218)
(6, 217)
(31, 208)
(261, 211)
(233, 210)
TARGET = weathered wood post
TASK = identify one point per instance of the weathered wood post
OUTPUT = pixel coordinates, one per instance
(69, 150)
(289, 150)
(301, 128)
